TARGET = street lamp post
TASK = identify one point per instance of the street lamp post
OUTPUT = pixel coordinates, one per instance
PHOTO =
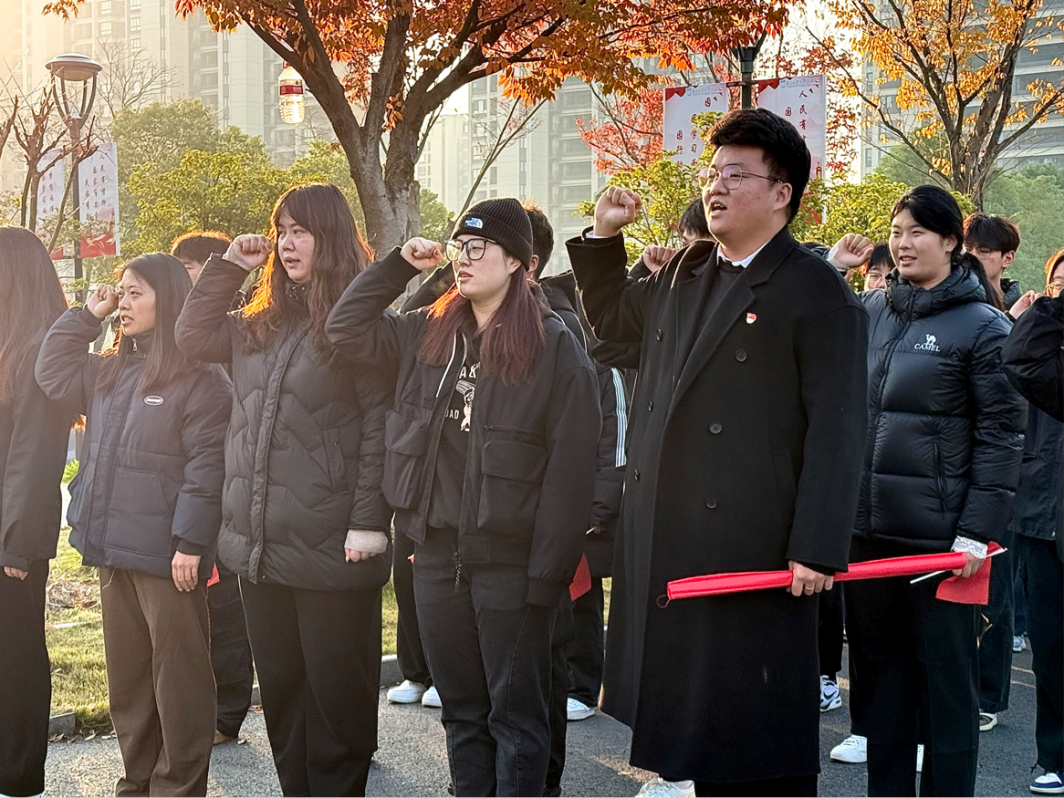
(746, 57)
(71, 70)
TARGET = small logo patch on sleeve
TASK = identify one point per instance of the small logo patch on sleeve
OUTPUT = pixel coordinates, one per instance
(153, 400)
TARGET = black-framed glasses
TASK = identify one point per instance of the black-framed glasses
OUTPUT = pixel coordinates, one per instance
(732, 176)
(474, 248)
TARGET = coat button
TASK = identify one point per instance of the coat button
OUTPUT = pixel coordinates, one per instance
(658, 335)
(740, 355)
(636, 475)
(711, 503)
(715, 428)
(650, 407)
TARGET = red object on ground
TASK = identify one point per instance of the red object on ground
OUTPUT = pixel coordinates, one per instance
(215, 579)
(717, 584)
(581, 580)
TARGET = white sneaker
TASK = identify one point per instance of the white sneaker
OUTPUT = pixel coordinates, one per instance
(987, 721)
(1019, 644)
(659, 788)
(919, 759)
(576, 710)
(829, 694)
(406, 693)
(431, 698)
(852, 751)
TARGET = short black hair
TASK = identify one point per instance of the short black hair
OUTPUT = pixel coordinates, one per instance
(781, 146)
(694, 220)
(879, 258)
(997, 233)
(542, 235)
(199, 245)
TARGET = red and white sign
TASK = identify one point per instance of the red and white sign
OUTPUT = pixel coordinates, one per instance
(682, 105)
(802, 101)
(99, 202)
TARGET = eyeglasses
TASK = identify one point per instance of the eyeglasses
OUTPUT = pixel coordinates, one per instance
(731, 175)
(1055, 288)
(474, 248)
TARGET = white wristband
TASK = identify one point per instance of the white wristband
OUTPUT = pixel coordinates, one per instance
(367, 541)
(969, 546)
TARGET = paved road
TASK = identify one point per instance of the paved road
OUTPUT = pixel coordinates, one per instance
(412, 760)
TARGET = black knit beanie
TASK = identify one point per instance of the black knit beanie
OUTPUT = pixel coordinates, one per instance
(503, 221)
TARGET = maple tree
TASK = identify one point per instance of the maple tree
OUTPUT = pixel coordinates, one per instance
(399, 61)
(960, 104)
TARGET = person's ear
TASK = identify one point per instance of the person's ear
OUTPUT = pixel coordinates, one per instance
(512, 264)
(533, 264)
(1007, 258)
(783, 195)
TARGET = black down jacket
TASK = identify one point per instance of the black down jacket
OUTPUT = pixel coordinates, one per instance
(152, 463)
(530, 475)
(945, 427)
(305, 451)
(33, 445)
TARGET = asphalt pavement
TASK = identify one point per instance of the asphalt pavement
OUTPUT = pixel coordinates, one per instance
(412, 759)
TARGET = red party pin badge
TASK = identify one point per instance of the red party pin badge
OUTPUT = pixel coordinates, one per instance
(751, 318)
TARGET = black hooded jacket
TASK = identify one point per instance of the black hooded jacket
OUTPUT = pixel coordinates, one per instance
(152, 464)
(945, 428)
(530, 474)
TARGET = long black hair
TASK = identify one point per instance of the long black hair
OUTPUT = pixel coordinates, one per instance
(935, 209)
(171, 283)
(340, 254)
(33, 299)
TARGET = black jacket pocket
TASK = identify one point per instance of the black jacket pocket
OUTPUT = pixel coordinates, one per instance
(509, 495)
(406, 441)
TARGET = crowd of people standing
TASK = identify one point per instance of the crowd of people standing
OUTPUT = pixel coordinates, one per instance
(267, 441)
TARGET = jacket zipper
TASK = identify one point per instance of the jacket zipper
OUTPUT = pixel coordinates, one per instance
(939, 481)
(457, 569)
(879, 403)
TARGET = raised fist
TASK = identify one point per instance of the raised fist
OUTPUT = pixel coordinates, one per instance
(249, 251)
(654, 257)
(616, 208)
(103, 302)
(421, 253)
(852, 250)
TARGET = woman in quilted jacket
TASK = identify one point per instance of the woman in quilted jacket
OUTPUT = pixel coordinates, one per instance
(305, 525)
(945, 437)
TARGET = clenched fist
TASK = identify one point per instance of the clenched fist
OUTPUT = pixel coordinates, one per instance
(654, 257)
(249, 252)
(421, 253)
(103, 302)
(616, 208)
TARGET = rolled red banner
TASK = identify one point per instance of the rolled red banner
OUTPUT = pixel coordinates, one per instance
(718, 584)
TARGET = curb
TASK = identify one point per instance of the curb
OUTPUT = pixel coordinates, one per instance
(65, 724)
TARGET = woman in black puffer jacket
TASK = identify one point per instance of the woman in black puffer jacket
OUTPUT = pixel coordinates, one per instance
(304, 516)
(145, 509)
(945, 437)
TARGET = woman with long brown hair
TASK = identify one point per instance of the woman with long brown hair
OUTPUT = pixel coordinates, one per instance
(304, 519)
(145, 509)
(33, 446)
(490, 467)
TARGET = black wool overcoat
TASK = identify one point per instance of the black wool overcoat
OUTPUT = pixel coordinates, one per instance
(743, 454)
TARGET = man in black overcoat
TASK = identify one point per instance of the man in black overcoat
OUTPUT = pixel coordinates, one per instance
(746, 439)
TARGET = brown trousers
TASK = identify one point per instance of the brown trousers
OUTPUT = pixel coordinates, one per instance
(157, 641)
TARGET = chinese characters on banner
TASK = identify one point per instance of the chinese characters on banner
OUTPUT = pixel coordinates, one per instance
(682, 105)
(50, 189)
(99, 202)
(801, 101)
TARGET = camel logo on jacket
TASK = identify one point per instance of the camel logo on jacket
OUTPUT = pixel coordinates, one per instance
(930, 345)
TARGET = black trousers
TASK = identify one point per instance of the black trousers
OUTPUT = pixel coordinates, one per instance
(560, 643)
(318, 655)
(913, 679)
(408, 649)
(829, 631)
(234, 671)
(995, 643)
(25, 682)
(1045, 627)
(789, 786)
(588, 649)
(490, 656)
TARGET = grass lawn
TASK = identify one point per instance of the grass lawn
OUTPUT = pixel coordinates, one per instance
(79, 680)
